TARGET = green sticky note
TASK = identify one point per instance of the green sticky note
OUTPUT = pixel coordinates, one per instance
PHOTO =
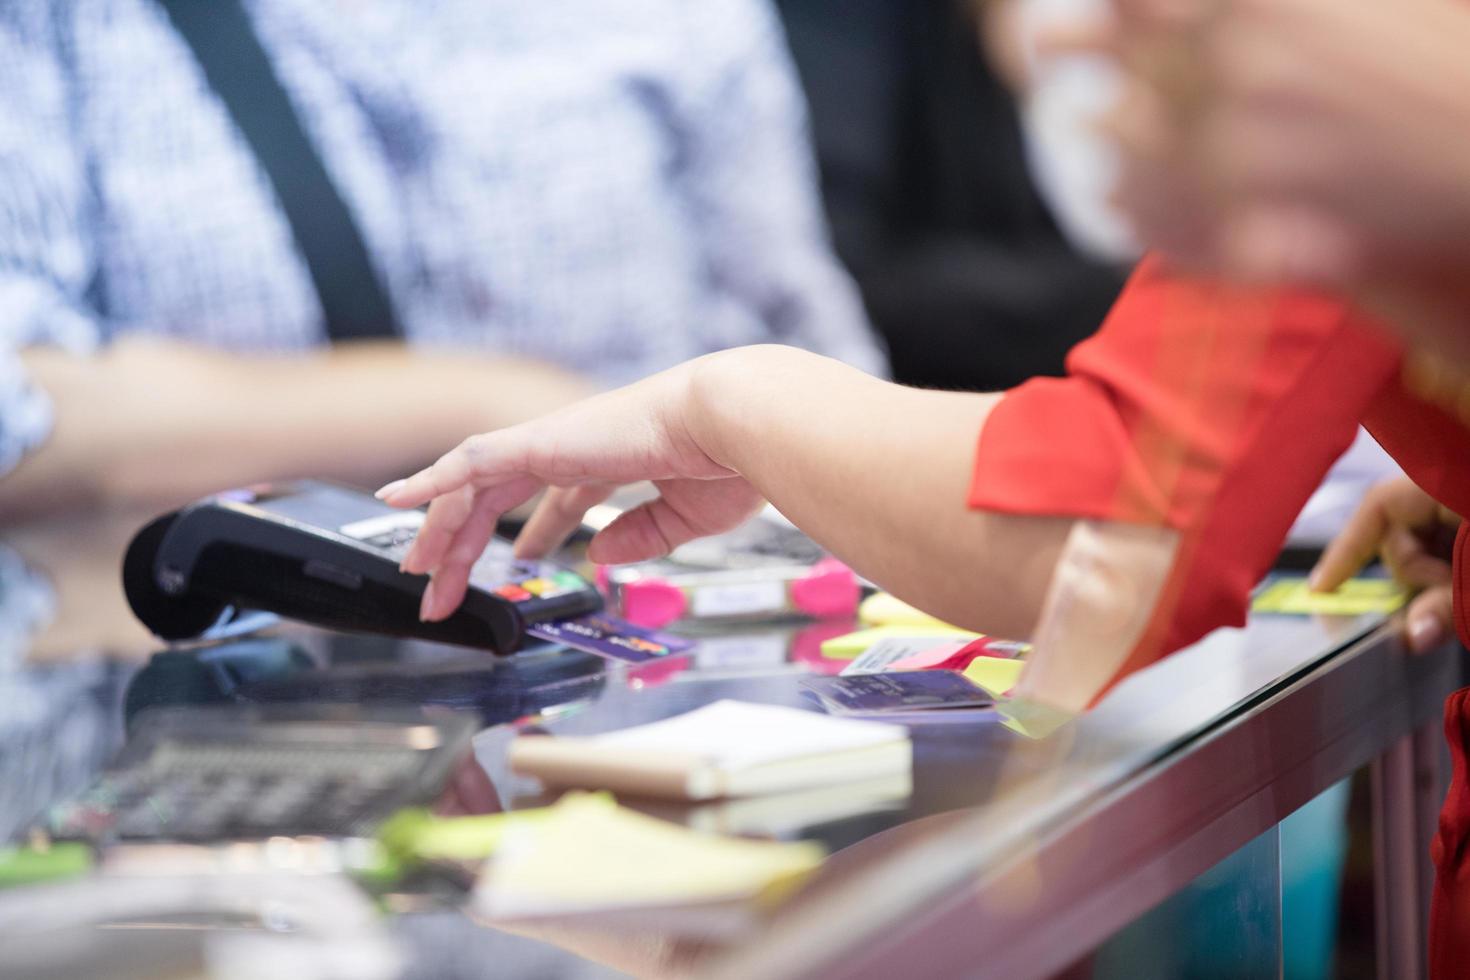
(1291, 596)
(417, 835)
(27, 866)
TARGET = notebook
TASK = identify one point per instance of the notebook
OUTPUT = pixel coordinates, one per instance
(725, 749)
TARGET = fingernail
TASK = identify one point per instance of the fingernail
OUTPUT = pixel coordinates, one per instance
(387, 491)
(427, 604)
(1314, 580)
(1425, 632)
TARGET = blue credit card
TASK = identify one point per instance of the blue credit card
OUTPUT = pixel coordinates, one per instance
(609, 636)
(905, 690)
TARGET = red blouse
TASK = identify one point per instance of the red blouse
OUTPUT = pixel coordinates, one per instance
(1216, 410)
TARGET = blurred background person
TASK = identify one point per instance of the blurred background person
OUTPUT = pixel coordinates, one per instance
(1308, 142)
(1323, 145)
(1232, 118)
(544, 199)
(927, 161)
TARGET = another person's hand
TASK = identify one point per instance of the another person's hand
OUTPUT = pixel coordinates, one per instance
(1411, 533)
(647, 431)
(151, 423)
(1304, 140)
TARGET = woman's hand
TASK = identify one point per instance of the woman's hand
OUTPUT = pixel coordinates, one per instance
(647, 431)
(876, 473)
(1411, 533)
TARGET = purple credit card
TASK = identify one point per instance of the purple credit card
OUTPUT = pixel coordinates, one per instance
(905, 690)
(608, 636)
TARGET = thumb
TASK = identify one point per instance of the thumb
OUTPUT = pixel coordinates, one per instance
(684, 510)
(1430, 619)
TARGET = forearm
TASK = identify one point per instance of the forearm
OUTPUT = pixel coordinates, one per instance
(878, 474)
(159, 423)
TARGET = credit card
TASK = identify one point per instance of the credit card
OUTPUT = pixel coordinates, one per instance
(609, 636)
(900, 691)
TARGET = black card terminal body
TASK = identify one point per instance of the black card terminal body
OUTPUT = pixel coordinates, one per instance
(329, 555)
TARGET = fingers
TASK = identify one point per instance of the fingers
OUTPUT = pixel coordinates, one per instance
(1167, 15)
(1073, 38)
(1352, 549)
(647, 531)
(446, 515)
(451, 573)
(1139, 124)
(1404, 554)
(556, 517)
(685, 510)
(1430, 619)
(483, 460)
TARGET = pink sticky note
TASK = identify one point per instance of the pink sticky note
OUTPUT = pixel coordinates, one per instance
(652, 602)
(941, 657)
(829, 589)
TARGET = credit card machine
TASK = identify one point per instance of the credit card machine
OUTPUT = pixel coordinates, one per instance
(329, 555)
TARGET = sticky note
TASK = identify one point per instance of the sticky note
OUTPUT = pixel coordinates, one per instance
(850, 645)
(994, 674)
(416, 835)
(885, 653)
(1032, 720)
(593, 855)
(957, 655)
(1291, 596)
(26, 866)
(882, 609)
(952, 655)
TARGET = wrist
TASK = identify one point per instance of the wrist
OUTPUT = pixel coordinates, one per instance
(730, 396)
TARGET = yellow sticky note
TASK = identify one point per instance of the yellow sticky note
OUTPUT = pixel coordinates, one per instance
(1291, 596)
(593, 854)
(994, 674)
(882, 609)
(852, 644)
(1032, 720)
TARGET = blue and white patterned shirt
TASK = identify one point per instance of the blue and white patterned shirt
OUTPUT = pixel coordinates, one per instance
(611, 187)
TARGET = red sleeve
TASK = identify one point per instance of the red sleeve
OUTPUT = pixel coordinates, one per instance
(1209, 409)
(1431, 445)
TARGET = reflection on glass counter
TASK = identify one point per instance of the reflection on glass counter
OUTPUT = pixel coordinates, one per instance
(78, 673)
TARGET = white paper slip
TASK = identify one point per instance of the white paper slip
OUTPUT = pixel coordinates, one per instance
(729, 748)
(876, 658)
(738, 598)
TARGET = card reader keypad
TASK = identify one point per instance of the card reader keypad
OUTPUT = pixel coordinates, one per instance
(497, 571)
